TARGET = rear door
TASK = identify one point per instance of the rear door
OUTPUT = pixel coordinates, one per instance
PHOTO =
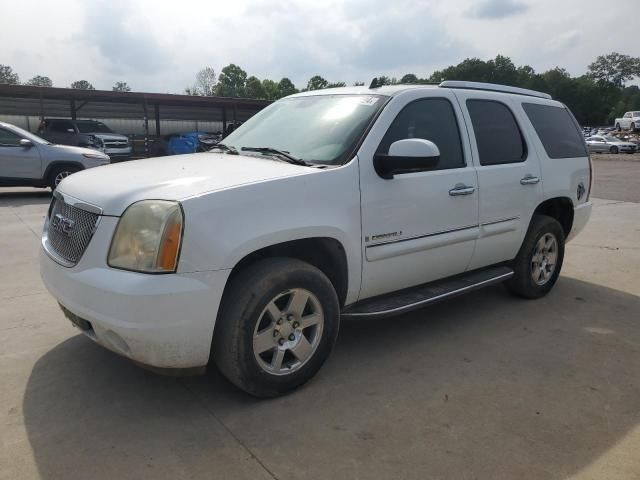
(16, 161)
(509, 176)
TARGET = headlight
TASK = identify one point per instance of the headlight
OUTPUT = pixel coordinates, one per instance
(148, 237)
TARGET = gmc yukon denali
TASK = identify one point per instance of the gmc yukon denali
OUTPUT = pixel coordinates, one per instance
(326, 205)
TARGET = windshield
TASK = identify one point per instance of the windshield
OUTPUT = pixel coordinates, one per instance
(25, 134)
(92, 127)
(318, 129)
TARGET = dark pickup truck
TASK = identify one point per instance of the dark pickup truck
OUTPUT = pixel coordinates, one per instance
(85, 133)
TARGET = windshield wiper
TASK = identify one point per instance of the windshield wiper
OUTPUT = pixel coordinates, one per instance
(286, 156)
(227, 148)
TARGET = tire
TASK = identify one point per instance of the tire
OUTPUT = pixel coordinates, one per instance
(613, 150)
(241, 346)
(60, 173)
(618, 128)
(632, 127)
(541, 230)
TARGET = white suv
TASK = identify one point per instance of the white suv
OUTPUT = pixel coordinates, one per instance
(349, 202)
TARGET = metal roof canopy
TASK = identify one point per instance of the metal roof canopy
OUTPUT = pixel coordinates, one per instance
(151, 102)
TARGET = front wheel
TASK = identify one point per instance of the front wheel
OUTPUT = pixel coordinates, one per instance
(60, 173)
(277, 325)
(539, 261)
(618, 128)
(613, 150)
(632, 127)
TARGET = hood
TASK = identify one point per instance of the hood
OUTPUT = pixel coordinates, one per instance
(74, 151)
(116, 186)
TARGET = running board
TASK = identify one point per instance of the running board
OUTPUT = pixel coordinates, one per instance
(426, 294)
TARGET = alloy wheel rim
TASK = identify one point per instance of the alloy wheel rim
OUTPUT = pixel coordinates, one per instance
(61, 176)
(288, 331)
(544, 259)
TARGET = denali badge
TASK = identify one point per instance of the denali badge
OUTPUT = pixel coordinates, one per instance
(62, 224)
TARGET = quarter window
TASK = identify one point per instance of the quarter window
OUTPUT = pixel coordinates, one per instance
(557, 130)
(430, 119)
(498, 136)
(9, 139)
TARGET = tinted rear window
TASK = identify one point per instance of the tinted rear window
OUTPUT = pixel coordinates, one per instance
(497, 133)
(557, 130)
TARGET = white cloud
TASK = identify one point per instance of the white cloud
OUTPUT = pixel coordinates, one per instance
(159, 46)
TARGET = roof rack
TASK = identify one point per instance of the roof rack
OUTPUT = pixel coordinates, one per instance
(492, 87)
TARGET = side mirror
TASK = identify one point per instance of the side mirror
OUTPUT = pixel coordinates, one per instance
(25, 142)
(407, 156)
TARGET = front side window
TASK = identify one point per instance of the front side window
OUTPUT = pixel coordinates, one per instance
(498, 136)
(558, 132)
(627, 115)
(318, 129)
(9, 139)
(430, 119)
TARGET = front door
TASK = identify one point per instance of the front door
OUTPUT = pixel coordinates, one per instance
(17, 161)
(418, 226)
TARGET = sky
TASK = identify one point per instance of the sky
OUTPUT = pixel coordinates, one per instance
(158, 46)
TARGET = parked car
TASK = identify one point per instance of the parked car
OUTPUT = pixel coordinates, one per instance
(609, 144)
(180, 143)
(629, 121)
(85, 133)
(353, 202)
(28, 160)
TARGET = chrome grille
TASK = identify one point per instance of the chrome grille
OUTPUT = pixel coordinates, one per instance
(69, 230)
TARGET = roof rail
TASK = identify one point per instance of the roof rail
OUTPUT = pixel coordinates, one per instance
(493, 87)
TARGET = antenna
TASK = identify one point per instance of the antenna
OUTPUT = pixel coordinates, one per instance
(374, 83)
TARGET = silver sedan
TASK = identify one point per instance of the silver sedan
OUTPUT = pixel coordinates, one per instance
(607, 144)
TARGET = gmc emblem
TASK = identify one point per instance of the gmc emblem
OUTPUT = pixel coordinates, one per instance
(62, 224)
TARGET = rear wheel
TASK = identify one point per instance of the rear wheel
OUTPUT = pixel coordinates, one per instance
(539, 261)
(613, 150)
(632, 127)
(60, 173)
(277, 325)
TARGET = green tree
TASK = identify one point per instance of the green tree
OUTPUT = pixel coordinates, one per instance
(7, 75)
(255, 89)
(317, 83)
(615, 69)
(40, 81)
(336, 85)
(231, 81)
(286, 87)
(358, 84)
(121, 87)
(82, 85)
(409, 78)
(270, 89)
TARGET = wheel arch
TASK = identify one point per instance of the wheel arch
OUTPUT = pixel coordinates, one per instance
(325, 253)
(560, 208)
(60, 163)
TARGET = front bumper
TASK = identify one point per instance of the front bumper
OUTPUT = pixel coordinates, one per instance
(163, 321)
(114, 152)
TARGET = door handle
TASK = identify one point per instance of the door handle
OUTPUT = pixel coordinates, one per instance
(529, 180)
(461, 189)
